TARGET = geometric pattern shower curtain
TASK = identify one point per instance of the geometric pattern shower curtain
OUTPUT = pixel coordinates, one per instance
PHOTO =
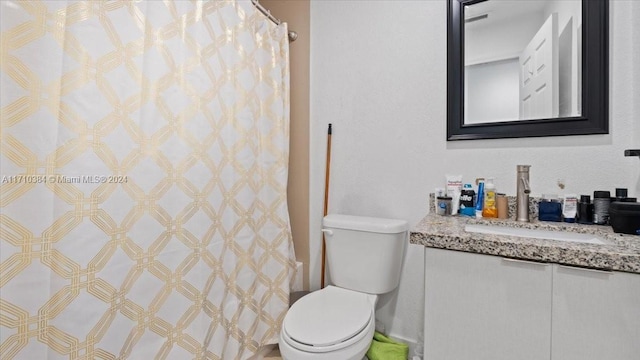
(144, 151)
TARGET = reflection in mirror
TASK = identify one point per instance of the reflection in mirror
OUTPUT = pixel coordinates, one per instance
(522, 60)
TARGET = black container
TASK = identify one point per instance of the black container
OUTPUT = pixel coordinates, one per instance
(625, 217)
(585, 210)
(601, 202)
(621, 194)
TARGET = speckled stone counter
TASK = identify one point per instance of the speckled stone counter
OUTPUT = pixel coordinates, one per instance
(621, 253)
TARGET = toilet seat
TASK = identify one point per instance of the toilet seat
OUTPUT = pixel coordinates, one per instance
(328, 320)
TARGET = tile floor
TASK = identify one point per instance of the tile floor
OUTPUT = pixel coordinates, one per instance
(274, 355)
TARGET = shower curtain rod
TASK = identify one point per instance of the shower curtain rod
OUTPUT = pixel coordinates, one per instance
(292, 34)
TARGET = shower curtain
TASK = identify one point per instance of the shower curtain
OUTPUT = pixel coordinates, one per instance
(144, 154)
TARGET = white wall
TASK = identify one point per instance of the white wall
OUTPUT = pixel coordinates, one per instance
(499, 39)
(378, 73)
(635, 98)
(494, 89)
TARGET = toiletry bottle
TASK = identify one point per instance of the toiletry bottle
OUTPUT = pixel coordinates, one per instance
(585, 210)
(570, 208)
(439, 192)
(479, 197)
(467, 204)
(489, 210)
(621, 194)
(444, 205)
(549, 208)
(454, 188)
(601, 202)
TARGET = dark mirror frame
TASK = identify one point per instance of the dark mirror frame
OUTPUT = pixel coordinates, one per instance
(594, 118)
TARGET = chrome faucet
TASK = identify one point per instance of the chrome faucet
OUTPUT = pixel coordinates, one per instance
(523, 190)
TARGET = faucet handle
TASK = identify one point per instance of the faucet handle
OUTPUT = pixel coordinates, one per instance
(525, 184)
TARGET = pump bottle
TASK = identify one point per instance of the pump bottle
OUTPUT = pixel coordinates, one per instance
(489, 210)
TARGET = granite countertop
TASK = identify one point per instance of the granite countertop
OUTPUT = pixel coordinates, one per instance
(621, 253)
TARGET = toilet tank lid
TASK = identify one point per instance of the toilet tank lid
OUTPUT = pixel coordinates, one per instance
(363, 223)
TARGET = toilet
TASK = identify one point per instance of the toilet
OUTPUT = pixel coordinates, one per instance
(364, 258)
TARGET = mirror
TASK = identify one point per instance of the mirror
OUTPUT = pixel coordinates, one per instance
(521, 60)
(523, 68)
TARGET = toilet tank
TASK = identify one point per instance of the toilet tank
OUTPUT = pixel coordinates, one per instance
(364, 253)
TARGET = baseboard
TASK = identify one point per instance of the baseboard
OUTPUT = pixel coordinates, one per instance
(411, 342)
(297, 281)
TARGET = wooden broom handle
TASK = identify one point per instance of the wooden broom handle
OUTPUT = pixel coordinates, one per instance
(326, 205)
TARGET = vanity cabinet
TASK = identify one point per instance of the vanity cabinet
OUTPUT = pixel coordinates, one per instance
(596, 314)
(484, 307)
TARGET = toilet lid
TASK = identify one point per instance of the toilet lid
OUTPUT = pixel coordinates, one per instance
(328, 316)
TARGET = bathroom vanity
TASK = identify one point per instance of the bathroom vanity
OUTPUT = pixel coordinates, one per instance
(495, 296)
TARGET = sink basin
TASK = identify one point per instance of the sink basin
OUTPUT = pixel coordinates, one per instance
(536, 234)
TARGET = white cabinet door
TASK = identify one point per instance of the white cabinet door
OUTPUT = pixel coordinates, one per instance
(482, 307)
(596, 315)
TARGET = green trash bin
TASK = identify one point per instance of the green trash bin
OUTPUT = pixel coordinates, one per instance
(384, 348)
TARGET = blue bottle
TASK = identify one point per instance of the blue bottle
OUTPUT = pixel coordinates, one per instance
(480, 198)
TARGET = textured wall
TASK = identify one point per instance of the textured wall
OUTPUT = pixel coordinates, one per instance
(296, 15)
(378, 73)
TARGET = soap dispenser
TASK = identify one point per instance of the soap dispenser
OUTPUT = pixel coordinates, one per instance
(489, 210)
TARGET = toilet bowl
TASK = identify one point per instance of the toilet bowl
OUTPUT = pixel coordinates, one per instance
(364, 258)
(332, 324)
